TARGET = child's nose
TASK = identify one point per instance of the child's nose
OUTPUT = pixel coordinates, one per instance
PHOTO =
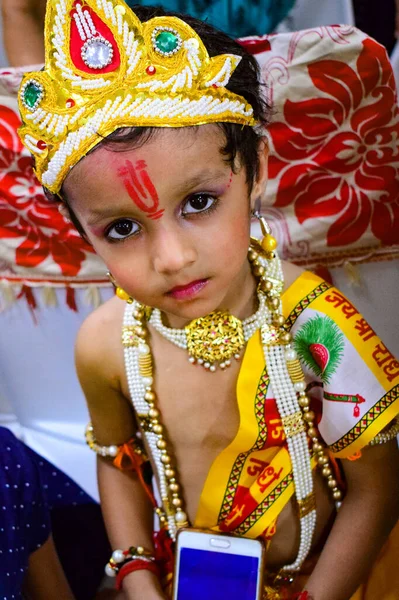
(172, 252)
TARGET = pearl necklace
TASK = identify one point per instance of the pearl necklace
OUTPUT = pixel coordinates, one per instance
(216, 326)
(288, 384)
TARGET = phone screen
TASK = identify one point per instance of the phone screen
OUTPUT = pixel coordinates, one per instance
(216, 575)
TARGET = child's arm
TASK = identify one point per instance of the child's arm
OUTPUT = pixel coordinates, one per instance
(23, 22)
(129, 520)
(127, 511)
(54, 583)
(367, 515)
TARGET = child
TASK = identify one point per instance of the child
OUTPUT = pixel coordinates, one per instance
(157, 154)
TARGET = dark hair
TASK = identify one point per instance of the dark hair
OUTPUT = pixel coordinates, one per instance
(241, 141)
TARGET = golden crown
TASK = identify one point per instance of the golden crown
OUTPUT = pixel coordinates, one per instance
(105, 69)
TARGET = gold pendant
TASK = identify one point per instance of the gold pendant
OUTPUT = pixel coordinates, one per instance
(217, 337)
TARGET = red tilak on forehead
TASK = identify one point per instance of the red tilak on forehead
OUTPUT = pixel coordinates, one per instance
(140, 188)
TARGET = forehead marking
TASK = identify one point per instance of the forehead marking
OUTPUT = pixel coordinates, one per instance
(140, 188)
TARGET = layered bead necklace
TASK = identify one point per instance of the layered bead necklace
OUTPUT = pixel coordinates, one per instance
(213, 340)
(287, 382)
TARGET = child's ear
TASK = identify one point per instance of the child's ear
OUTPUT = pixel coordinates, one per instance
(259, 185)
(64, 211)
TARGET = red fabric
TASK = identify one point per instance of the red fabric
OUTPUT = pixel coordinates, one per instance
(31, 228)
(131, 567)
(324, 274)
(76, 45)
(347, 131)
(164, 555)
(333, 188)
(27, 293)
(71, 299)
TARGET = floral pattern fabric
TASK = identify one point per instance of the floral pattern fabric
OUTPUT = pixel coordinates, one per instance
(333, 191)
(35, 239)
(333, 187)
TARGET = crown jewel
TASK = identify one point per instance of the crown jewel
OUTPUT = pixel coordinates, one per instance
(104, 69)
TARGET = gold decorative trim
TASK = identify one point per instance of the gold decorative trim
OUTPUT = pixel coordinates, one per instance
(129, 336)
(307, 505)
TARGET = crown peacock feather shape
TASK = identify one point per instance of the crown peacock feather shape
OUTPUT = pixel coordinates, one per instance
(105, 69)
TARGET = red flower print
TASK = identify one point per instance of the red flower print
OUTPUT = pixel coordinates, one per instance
(38, 228)
(335, 154)
(255, 44)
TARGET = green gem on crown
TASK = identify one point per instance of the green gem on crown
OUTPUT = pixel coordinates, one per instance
(166, 41)
(32, 94)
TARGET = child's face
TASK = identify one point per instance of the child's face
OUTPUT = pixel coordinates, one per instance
(170, 219)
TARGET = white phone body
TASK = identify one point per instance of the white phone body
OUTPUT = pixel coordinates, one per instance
(215, 566)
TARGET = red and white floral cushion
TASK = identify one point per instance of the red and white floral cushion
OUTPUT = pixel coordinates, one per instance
(333, 192)
(36, 243)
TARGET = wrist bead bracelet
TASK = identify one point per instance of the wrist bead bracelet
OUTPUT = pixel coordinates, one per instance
(120, 558)
(132, 566)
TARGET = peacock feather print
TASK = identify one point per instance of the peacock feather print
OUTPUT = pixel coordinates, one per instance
(320, 345)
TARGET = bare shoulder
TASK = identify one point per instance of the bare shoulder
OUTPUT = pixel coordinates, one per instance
(100, 368)
(291, 273)
(100, 332)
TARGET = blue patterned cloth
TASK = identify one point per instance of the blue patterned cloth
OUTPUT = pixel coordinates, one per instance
(238, 18)
(30, 487)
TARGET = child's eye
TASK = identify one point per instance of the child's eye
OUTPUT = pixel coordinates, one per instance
(198, 203)
(122, 229)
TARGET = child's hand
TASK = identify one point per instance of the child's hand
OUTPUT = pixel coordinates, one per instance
(142, 585)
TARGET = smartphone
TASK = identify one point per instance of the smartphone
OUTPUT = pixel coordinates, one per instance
(214, 566)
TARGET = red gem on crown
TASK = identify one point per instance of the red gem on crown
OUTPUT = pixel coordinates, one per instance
(41, 145)
(151, 70)
(88, 35)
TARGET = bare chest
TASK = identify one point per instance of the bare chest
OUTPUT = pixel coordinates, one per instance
(199, 412)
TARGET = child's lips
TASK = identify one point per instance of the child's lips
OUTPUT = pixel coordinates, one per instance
(182, 292)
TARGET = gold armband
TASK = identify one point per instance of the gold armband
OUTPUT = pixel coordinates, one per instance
(113, 450)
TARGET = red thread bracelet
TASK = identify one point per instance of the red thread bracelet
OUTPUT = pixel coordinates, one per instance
(132, 566)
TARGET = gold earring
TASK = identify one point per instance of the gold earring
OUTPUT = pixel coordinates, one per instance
(120, 292)
(268, 242)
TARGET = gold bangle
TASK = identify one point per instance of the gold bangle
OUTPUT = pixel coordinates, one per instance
(105, 451)
(111, 451)
(386, 436)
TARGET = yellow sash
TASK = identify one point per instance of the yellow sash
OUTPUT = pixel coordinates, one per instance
(251, 481)
(249, 484)
(246, 490)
